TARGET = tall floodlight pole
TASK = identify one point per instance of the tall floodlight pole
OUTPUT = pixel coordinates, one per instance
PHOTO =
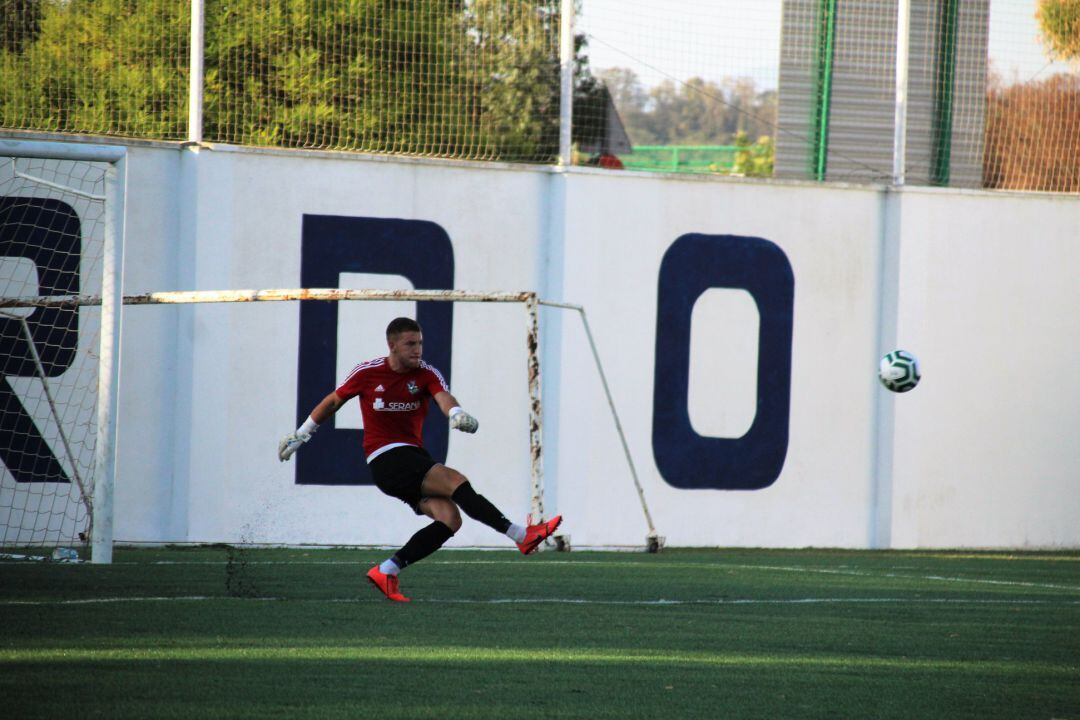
(195, 82)
(566, 86)
(903, 45)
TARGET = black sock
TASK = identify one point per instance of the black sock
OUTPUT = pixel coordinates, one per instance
(426, 541)
(479, 508)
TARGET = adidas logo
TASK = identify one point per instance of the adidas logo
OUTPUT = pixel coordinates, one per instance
(380, 389)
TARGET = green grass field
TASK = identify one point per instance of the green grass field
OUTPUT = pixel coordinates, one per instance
(215, 632)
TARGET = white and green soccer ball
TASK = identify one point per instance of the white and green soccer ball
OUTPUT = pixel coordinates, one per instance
(899, 371)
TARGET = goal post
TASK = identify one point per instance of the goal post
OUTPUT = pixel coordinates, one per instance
(62, 229)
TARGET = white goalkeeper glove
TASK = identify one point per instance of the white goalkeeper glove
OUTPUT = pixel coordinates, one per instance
(292, 442)
(463, 421)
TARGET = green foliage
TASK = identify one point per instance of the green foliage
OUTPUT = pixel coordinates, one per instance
(697, 112)
(436, 77)
(20, 22)
(97, 66)
(1032, 139)
(516, 45)
(754, 159)
(707, 116)
(1060, 23)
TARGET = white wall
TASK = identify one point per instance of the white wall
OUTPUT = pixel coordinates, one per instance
(980, 285)
(233, 391)
(985, 449)
(829, 236)
(984, 292)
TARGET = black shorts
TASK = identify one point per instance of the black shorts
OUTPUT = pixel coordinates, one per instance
(400, 472)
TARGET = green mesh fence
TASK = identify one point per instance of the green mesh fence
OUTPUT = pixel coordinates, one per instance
(800, 88)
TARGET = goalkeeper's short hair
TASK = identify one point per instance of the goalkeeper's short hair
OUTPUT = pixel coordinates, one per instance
(401, 325)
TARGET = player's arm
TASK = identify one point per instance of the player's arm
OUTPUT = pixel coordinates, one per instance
(459, 419)
(325, 410)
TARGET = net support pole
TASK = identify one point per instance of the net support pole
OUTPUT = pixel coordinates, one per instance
(882, 438)
(195, 81)
(112, 303)
(903, 49)
(566, 84)
(826, 47)
(941, 155)
(652, 540)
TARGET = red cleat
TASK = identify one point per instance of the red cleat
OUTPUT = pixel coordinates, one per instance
(387, 584)
(536, 534)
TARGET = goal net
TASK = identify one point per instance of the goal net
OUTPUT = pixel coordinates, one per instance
(54, 230)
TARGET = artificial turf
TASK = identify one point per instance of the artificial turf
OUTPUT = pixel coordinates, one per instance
(216, 632)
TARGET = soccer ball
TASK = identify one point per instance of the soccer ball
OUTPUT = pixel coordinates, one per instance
(899, 371)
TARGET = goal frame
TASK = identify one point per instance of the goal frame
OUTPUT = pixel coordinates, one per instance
(111, 301)
(530, 300)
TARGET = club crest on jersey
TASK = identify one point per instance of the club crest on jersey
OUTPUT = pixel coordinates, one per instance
(413, 389)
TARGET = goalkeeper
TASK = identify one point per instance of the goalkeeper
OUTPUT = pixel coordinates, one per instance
(393, 392)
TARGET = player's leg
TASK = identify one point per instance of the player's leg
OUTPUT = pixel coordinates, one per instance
(442, 510)
(443, 481)
(446, 482)
(446, 520)
(399, 473)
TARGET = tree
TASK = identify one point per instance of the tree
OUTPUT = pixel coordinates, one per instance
(1060, 23)
(696, 112)
(632, 101)
(754, 159)
(20, 23)
(452, 78)
(438, 78)
(362, 75)
(515, 64)
(1033, 135)
(105, 66)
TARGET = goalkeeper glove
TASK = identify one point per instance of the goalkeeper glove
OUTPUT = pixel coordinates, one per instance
(463, 421)
(292, 442)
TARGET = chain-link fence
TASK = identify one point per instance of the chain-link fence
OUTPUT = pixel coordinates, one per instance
(979, 93)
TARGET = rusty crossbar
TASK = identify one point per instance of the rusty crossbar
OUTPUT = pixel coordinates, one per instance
(186, 297)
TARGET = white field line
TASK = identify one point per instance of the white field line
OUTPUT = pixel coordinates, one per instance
(938, 578)
(651, 565)
(552, 601)
(743, 601)
(783, 568)
(108, 600)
